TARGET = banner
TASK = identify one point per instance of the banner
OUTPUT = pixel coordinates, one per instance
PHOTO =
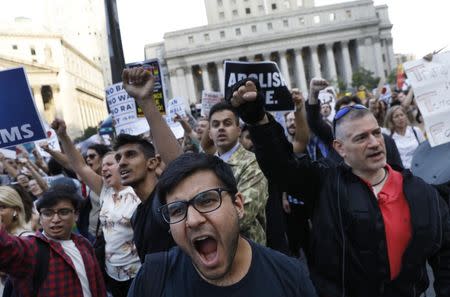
(276, 94)
(19, 118)
(431, 85)
(158, 88)
(209, 99)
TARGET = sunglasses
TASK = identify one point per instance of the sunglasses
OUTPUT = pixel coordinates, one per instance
(343, 111)
(91, 156)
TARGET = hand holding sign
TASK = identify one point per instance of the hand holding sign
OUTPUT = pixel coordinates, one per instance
(138, 82)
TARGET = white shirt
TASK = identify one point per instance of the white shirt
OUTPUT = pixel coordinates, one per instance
(226, 156)
(407, 144)
(121, 258)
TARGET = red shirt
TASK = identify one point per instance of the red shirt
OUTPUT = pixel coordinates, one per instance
(397, 219)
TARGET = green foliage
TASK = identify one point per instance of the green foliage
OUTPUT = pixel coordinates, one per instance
(342, 86)
(392, 77)
(364, 77)
(88, 132)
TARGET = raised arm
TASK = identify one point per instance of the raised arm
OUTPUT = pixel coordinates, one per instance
(10, 169)
(207, 143)
(36, 175)
(76, 160)
(58, 156)
(301, 137)
(188, 131)
(139, 83)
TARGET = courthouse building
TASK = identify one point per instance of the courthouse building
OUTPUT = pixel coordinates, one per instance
(305, 40)
(65, 57)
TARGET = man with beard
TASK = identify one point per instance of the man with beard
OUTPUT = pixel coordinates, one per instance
(203, 206)
(374, 227)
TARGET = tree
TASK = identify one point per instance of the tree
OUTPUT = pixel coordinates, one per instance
(364, 77)
(88, 132)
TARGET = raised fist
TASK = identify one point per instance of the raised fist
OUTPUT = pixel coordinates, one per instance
(316, 85)
(138, 82)
(59, 126)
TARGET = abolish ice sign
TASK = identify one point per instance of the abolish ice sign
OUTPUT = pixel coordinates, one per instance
(277, 95)
(19, 119)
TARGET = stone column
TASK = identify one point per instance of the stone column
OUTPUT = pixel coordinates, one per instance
(182, 87)
(38, 99)
(220, 75)
(191, 85)
(347, 64)
(331, 63)
(205, 77)
(315, 61)
(392, 63)
(370, 61)
(378, 59)
(361, 53)
(300, 69)
(284, 68)
(173, 83)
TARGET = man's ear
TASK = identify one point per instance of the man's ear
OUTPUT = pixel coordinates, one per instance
(153, 163)
(339, 147)
(239, 204)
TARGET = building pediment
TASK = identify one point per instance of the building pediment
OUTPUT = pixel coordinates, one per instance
(30, 67)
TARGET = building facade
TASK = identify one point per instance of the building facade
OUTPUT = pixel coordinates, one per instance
(306, 41)
(64, 82)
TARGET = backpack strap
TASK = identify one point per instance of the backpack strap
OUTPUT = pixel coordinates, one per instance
(415, 134)
(41, 269)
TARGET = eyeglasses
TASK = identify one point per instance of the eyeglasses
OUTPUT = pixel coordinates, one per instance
(203, 202)
(62, 213)
(343, 111)
(91, 156)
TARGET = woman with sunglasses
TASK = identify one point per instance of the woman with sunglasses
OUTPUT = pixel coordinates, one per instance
(118, 204)
(406, 137)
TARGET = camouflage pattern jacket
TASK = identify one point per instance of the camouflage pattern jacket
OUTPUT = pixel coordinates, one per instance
(252, 183)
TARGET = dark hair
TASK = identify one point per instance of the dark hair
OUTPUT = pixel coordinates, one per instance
(57, 193)
(54, 168)
(147, 148)
(221, 106)
(26, 200)
(101, 149)
(346, 100)
(188, 164)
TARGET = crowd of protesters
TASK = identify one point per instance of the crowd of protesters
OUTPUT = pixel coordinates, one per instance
(328, 188)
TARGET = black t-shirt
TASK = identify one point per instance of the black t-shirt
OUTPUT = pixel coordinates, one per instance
(271, 274)
(150, 232)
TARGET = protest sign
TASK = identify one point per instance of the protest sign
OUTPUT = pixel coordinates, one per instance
(19, 118)
(276, 94)
(8, 153)
(208, 100)
(123, 111)
(51, 141)
(158, 88)
(175, 107)
(431, 85)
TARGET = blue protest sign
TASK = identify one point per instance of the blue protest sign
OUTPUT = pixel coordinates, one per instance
(19, 119)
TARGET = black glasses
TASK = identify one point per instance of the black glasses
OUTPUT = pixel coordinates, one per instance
(91, 156)
(62, 213)
(203, 202)
(343, 111)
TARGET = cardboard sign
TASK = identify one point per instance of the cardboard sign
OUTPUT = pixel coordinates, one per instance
(276, 94)
(209, 99)
(19, 118)
(431, 85)
(52, 141)
(158, 88)
(176, 106)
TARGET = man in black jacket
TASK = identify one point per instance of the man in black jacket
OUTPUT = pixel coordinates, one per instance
(373, 227)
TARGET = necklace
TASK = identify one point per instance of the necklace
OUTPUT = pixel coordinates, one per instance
(382, 180)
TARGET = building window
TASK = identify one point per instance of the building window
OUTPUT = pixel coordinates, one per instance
(378, 14)
(285, 23)
(247, 11)
(222, 34)
(254, 28)
(274, 6)
(269, 26)
(316, 19)
(221, 15)
(33, 51)
(219, 3)
(206, 36)
(14, 46)
(301, 20)
(348, 13)
(261, 8)
(235, 12)
(238, 31)
(384, 57)
(332, 16)
(191, 39)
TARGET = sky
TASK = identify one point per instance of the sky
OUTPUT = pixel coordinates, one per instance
(419, 27)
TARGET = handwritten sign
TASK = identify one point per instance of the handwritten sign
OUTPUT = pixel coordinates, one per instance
(431, 85)
(209, 99)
